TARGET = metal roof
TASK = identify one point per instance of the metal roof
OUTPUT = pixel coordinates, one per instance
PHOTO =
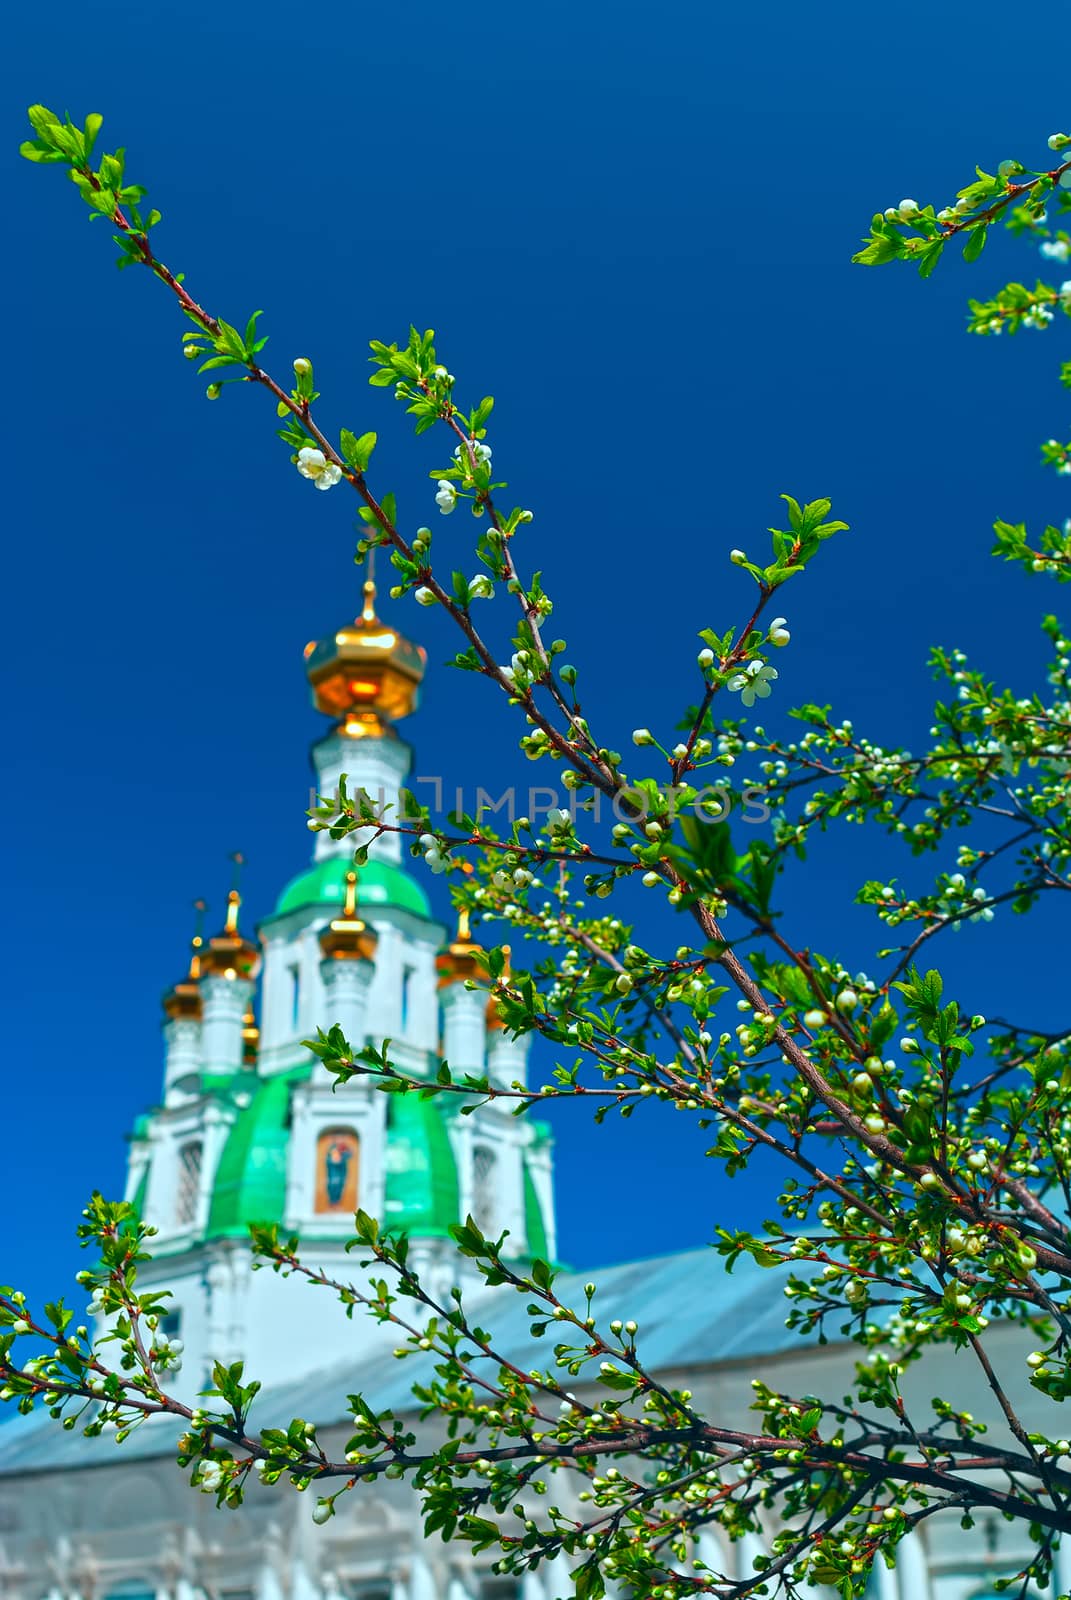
(690, 1312)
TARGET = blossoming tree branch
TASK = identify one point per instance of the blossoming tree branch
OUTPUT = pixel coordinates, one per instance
(924, 1151)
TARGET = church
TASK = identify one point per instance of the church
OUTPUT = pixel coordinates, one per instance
(249, 1128)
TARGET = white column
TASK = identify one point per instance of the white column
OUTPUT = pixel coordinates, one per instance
(464, 1027)
(223, 1004)
(747, 1549)
(268, 1585)
(219, 1309)
(559, 1578)
(182, 1062)
(1062, 1566)
(913, 1580)
(507, 1058)
(421, 1580)
(241, 1273)
(346, 984)
(301, 1585)
(885, 1580)
(378, 766)
(216, 1123)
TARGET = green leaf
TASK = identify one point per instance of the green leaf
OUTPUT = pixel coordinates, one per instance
(929, 258)
(975, 242)
(358, 452)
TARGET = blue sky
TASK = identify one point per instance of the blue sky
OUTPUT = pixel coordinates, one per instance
(631, 225)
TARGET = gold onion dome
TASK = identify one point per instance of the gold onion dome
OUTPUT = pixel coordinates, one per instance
(228, 954)
(347, 938)
(366, 673)
(183, 999)
(460, 960)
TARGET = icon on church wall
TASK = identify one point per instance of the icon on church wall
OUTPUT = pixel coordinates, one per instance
(337, 1163)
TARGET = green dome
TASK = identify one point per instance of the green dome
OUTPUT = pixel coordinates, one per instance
(422, 1194)
(250, 1181)
(533, 1219)
(379, 883)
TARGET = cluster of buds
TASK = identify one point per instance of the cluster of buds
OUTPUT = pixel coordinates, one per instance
(434, 855)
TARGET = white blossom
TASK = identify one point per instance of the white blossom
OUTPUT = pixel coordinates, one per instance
(423, 596)
(473, 450)
(446, 498)
(481, 587)
(314, 464)
(779, 634)
(753, 683)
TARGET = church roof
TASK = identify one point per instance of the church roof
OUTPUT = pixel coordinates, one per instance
(422, 1186)
(250, 1184)
(691, 1313)
(379, 883)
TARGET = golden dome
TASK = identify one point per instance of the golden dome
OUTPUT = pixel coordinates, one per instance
(183, 999)
(229, 955)
(365, 673)
(459, 960)
(347, 938)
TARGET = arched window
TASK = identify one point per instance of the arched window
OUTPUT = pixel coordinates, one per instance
(338, 1160)
(408, 990)
(484, 1187)
(189, 1182)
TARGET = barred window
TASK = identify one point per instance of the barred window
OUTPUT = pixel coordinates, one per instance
(189, 1182)
(484, 1196)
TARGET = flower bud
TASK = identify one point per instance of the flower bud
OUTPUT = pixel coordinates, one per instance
(642, 736)
(213, 391)
(302, 367)
(737, 557)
